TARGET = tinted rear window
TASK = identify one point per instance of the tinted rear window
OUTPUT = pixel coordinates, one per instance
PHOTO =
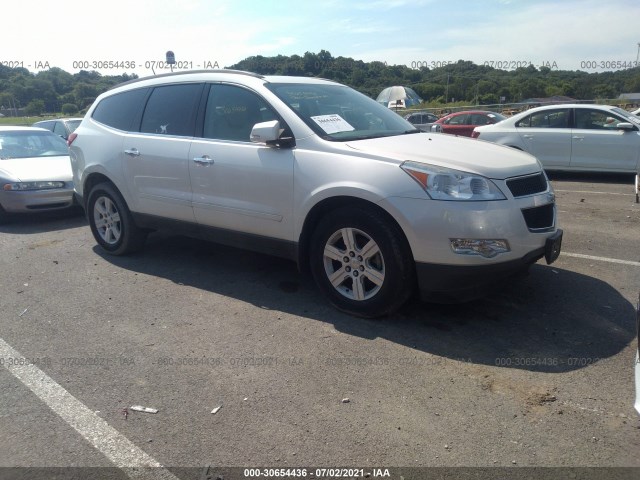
(119, 110)
(171, 110)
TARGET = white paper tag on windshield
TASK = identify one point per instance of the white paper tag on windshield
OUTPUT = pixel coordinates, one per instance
(333, 123)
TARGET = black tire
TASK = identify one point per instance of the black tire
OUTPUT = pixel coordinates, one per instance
(111, 222)
(4, 216)
(385, 278)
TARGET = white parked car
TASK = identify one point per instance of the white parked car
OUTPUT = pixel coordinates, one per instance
(572, 137)
(35, 173)
(313, 171)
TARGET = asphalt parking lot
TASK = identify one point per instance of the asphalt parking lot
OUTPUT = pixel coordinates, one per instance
(538, 374)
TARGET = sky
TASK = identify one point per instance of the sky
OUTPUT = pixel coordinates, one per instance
(132, 36)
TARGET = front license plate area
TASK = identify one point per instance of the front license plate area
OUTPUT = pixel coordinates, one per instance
(552, 247)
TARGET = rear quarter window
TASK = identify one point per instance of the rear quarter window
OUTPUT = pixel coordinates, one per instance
(119, 110)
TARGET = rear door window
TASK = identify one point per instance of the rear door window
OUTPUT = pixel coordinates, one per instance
(458, 120)
(479, 119)
(171, 110)
(546, 119)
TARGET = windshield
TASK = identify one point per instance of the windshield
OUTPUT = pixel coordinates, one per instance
(30, 144)
(623, 113)
(339, 113)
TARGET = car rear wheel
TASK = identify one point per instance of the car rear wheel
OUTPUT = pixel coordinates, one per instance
(361, 262)
(111, 222)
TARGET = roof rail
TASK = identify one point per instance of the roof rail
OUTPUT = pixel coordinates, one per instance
(185, 72)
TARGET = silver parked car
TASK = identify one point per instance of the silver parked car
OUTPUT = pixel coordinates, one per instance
(314, 171)
(421, 120)
(35, 172)
(572, 137)
(60, 126)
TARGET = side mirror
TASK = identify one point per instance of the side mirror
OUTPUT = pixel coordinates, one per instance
(265, 132)
(625, 126)
(269, 133)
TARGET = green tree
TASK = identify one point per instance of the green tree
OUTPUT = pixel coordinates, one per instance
(69, 109)
(35, 107)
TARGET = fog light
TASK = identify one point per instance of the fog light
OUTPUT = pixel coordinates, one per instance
(485, 248)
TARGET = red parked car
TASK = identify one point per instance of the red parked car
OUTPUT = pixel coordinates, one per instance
(463, 123)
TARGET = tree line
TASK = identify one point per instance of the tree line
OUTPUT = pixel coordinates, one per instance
(462, 81)
(55, 90)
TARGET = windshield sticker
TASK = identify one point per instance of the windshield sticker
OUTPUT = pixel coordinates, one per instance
(333, 123)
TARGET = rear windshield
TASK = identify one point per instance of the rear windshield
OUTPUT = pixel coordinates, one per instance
(72, 125)
(30, 144)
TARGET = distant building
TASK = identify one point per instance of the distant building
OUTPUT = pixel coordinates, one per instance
(12, 112)
(630, 97)
(539, 101)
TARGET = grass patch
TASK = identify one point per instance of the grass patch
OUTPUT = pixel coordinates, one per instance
(23, 121)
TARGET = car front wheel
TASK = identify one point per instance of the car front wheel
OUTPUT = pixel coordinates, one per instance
(4, 217)
(111, 222)
(361, 262)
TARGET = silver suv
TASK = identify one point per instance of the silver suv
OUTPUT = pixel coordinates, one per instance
(313, 171)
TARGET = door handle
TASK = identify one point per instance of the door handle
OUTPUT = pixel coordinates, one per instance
(204, 160)
(132, 152)
(578, 137)
(528, 136)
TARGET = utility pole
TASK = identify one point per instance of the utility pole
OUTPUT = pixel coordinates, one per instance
(637, 56)
(446, 94)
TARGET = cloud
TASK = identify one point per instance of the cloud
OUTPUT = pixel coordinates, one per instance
(541, 33)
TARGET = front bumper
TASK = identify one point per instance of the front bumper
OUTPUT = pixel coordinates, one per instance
(36, 200)
(459, 283)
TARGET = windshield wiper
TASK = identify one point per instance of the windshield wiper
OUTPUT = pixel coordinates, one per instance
(415, 130)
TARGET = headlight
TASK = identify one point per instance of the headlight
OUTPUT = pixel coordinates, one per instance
(446, 184)
(21, 186)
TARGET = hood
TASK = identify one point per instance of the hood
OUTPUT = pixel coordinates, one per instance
(36, 169)
(459, 153)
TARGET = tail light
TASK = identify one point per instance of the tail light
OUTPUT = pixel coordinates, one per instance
(71, 138)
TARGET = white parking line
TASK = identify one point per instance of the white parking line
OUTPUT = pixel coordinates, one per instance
(601, 259)
(591, 191)
(115, 446)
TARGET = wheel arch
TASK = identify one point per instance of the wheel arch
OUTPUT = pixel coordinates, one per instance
(91, 181)
(327, 205)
